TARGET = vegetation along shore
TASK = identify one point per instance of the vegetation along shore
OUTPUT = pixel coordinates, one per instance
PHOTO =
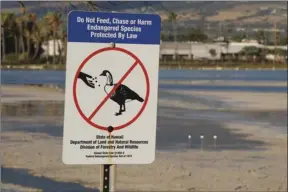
(220, 66)
(33, 41)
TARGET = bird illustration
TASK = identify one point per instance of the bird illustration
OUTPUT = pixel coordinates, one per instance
(121, 94)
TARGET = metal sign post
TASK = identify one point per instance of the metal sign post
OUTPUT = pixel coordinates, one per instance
(108, 171)
(108, 178)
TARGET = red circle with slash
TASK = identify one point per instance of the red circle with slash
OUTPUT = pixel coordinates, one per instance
(137, 62)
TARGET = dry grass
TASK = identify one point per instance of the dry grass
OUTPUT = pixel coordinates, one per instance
(230, 14)
(235, 13)
(270, 19)
(227, 15)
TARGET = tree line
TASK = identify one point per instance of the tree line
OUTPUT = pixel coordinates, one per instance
(24, 35)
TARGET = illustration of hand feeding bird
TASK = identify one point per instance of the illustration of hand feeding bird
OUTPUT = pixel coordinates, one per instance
(121, 95)
(88, 79)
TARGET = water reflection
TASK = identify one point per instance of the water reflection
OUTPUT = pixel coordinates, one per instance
(33, 108)
(174, 124)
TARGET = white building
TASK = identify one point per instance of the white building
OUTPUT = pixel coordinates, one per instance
(202, 50)
(186, 50)
(48, 47)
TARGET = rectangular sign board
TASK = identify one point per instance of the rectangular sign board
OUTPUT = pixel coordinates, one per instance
(111, 88)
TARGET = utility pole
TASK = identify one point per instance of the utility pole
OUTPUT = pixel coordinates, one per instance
(175, 38)
(220, 29)
(275, 41)
(208, 26)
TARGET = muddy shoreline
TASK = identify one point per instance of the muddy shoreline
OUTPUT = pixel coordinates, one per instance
(251, 154)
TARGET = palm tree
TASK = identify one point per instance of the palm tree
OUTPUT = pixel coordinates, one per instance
(20, 20)
(63, 48)
(92, 6)
(172, 17)
(14, 32)
(38, 35)
(71, 4)
(4, 21)
(20, 23)
(8, 29)
(23, 8)
(45, 33)
(30, 20)
(11, 27)
(54, 21)
(226, 44)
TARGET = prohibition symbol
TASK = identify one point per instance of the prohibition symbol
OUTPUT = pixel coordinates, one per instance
(118, 93)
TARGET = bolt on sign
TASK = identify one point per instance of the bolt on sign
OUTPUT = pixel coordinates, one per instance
(111, 88)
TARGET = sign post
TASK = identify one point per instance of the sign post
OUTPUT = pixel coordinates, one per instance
(108, 178)
(111, 90)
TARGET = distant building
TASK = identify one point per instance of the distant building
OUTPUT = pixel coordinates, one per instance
(197, 50)
(48, 47)
(184, 50)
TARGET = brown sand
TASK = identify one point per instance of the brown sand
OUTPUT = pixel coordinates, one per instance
(32, 161)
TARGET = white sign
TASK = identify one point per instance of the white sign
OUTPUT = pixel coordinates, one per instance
(111, 88)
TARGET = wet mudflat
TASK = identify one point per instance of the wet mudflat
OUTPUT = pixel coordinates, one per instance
(249, 154)
(173, 125)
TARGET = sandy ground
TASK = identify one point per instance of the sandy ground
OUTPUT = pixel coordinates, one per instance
(249, 155)
(16, 93)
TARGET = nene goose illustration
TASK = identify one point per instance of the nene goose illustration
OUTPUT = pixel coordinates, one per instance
(121, 94)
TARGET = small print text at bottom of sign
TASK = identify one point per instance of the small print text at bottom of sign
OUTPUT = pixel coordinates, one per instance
(111, 152)
(109, 156)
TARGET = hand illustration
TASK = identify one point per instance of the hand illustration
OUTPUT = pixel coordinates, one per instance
(87, 79)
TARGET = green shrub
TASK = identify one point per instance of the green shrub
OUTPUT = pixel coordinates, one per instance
(12, 57)
(23, 56)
